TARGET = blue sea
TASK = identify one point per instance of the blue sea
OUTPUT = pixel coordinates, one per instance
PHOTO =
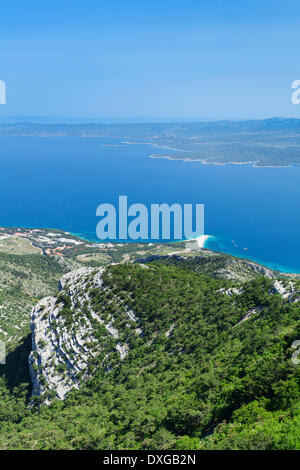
(59, 182)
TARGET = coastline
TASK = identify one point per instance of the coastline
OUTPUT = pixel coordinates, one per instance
(198, 243)
(282, 269)
(205, 162)
(253, 163)
(203, 239)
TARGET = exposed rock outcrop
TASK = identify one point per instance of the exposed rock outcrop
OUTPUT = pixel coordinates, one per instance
(67, 334)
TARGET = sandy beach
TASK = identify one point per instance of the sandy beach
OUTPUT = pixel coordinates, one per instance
(198, 242)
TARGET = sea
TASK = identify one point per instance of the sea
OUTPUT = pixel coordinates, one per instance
(58, 182)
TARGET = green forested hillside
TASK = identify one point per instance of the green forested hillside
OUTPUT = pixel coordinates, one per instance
(23, 280)
(195, 378)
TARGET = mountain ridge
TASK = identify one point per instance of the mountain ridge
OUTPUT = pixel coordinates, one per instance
(187, 351)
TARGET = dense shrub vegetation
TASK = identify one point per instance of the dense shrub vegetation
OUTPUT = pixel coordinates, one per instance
(195, 378)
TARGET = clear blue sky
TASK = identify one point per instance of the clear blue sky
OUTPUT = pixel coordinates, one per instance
(164, 58)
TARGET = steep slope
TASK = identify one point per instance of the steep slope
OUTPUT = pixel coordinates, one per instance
(181, 350)
(23, 280)
(156, 356)
(218, 265)
(68, 332)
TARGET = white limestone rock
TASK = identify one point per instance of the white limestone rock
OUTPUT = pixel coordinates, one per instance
(64, 342)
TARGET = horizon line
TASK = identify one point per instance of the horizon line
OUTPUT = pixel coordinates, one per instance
(35, 119)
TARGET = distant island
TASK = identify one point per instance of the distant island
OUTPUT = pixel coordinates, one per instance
(263, 143)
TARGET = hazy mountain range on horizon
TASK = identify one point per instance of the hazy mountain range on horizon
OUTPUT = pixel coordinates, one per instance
(41, 119)
(267, 142)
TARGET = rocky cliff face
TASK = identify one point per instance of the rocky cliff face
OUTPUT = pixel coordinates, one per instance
(67, 334)
(89, 327)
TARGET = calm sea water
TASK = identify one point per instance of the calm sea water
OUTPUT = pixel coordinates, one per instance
(59, 182)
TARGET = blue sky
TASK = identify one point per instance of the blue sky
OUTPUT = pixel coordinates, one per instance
(186, 59)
